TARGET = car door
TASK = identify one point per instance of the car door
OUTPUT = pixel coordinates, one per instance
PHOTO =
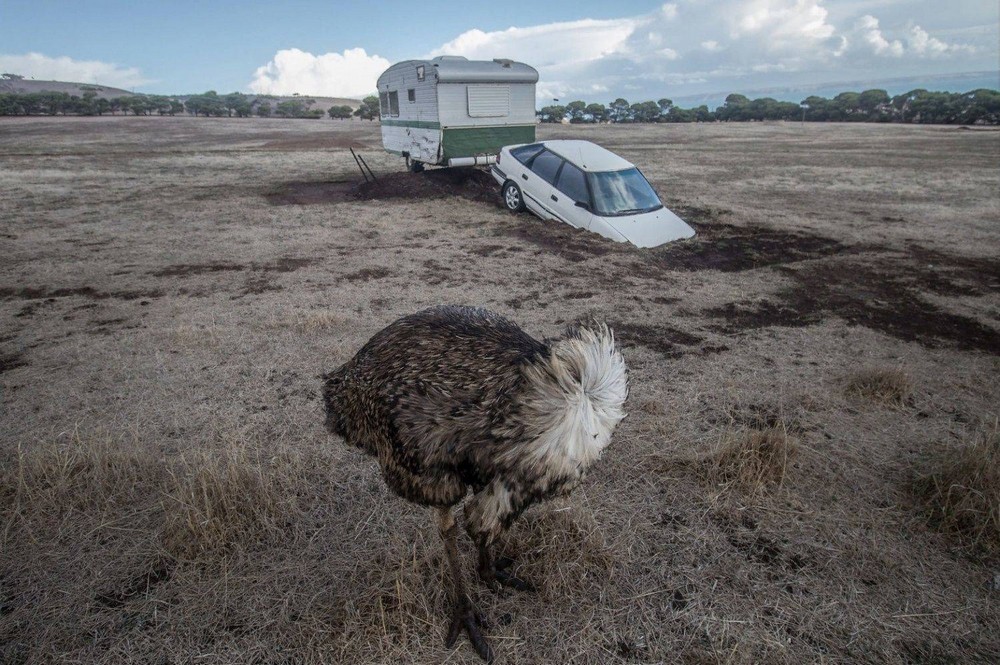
(569, 191)
(536, 183)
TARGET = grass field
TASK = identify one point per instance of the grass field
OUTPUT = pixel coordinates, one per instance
(809, 472)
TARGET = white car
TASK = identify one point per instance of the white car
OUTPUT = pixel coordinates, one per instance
(586, 186)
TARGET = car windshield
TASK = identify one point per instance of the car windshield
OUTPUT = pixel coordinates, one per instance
(622, 193)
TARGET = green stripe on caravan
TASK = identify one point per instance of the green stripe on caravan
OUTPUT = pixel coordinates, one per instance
(460, 142)
(419, 124)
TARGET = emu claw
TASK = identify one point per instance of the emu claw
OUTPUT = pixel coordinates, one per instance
(466, 616)
(504, 578)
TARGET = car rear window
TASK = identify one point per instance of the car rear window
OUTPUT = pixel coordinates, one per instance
(545, 165)
(573, 183)
(526, 152)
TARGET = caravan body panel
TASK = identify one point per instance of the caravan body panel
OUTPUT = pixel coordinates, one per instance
(453, 109)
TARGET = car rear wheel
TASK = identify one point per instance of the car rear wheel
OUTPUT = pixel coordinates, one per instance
(512, 197)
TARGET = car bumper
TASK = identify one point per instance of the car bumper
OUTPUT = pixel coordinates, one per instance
(498, 175)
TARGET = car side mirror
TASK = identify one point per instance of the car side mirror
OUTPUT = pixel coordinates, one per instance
(583, 204)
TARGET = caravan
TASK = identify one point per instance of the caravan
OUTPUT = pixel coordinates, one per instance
(451, 111)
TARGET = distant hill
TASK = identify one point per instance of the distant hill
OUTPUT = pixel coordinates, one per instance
(28, 86)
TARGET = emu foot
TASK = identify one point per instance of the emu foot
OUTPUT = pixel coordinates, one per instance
(503, 577)
(466, 616)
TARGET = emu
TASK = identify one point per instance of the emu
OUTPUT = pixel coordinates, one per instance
(453, 399)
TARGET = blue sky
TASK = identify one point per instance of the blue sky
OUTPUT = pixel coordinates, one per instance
(583, 49)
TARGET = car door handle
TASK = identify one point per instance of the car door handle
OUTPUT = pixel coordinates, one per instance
(524, 176)
(554, 198)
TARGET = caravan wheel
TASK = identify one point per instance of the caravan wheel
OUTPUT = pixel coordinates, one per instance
(415, 166)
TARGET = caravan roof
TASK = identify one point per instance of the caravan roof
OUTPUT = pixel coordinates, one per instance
(456, 69)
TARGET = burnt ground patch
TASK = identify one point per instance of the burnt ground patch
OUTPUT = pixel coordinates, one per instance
(557, 238)
(312, 193)
(47, 293)
(284, 264)
(718, 245)
(730, 248)
(9, 361)
(950, 275)
(663, 339)
(368, 274)
(745, 536)
(469, 183)
(881, 293)
(189, 269)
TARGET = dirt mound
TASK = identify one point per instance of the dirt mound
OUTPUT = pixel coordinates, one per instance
(468, 183)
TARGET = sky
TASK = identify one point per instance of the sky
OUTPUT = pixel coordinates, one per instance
(587, 49)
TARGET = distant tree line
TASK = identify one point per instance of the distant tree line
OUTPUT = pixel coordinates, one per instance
(209, 104)
(981, 106)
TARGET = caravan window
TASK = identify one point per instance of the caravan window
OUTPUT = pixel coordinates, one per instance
(411, 95)
(420, 72)
(393, 103)
(383, 103)
(489, 100)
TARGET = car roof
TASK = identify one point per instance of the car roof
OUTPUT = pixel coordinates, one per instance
(588, 156)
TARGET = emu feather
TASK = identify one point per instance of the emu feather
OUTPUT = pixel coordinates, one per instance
(453, 400)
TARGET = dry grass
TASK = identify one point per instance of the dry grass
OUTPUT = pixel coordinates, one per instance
(560, 548)
(751, 460)
(315, 321)
(82, 471)
(887, 385)
(222, 498)
(962, 494)
(233, 497)
(159, 311)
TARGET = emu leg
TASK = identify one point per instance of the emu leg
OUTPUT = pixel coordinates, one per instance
(494, 571)
(465, 614)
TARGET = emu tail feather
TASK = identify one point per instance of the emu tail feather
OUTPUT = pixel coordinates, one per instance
(574, 400)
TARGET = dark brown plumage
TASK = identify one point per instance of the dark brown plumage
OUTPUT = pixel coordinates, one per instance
(453, 399)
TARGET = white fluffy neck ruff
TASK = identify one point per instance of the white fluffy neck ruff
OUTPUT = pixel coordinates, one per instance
(574, 402)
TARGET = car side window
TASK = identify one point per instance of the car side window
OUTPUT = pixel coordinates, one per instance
(546, 165)
(526, 152)
(573, 183)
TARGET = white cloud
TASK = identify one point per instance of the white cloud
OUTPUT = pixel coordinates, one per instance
(921, 43)
(63, 68)
(349, 74)
(559, 45)
(783, 22)
(918, 42)
(684, 47)
(867, 26)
